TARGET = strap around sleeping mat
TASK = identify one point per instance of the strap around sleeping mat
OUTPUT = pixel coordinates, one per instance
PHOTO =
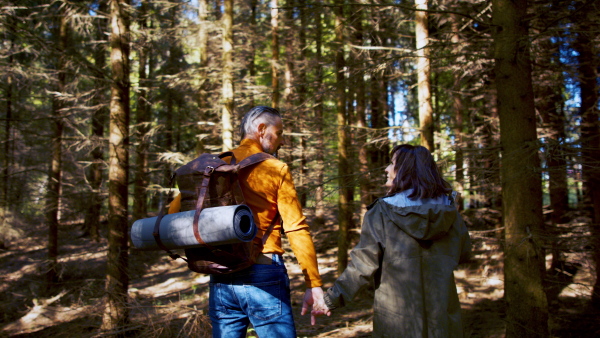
(156, 231)
(200, 202)
(233, 167)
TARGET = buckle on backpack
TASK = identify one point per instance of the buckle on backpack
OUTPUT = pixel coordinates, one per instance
(208, 170)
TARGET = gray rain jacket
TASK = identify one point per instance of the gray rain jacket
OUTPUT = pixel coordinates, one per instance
(408, 255)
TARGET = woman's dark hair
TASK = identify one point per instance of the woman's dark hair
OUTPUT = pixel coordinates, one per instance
(416, 169)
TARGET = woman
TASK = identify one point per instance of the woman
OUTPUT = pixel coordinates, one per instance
(410, 243)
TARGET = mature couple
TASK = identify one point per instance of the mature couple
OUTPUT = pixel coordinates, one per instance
(411, 241)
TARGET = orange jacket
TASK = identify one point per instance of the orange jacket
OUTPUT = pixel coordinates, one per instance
(269, 187)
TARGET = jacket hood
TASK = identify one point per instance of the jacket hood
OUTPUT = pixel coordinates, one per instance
(422, 222)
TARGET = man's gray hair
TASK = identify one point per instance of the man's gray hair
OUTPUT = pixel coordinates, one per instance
(250, 121)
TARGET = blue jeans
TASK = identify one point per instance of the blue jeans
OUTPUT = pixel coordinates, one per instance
(259, 295)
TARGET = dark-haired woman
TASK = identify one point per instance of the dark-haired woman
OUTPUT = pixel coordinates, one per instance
(411, 241)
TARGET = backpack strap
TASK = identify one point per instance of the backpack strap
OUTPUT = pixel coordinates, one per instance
(270, 228)
(200, 201)
(254, 159)
(232, 167)
(156, 232)
(235, 168)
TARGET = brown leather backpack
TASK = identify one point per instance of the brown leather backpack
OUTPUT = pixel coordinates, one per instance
(209, 181)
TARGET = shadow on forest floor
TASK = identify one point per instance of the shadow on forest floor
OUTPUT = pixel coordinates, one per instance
(168, 300)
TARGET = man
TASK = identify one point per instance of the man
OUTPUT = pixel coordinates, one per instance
(261, 294)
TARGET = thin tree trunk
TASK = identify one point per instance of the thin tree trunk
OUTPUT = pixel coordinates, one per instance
(549, 103)
(379, 152)
(288, 75)
(99, 118)
(204, 87)
(345, 212)
(92, 218)
(301, 98)
(54, 178)
(8, 154)
(361, 118)
(140, 204)
(228, 96)
(320, 143)
(171, 68)
(203, 36)
(457, 104)
(8, 141)
(527, 308)
(251, 65)
(275, 96)
(379, 121)
(490, 157)
(586, 30)
(423, 75)
(289, 99)
(472, 171)
(116, 312)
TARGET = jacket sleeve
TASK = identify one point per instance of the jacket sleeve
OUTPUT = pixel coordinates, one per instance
(365, 263)
(297, 229)
(304, 250)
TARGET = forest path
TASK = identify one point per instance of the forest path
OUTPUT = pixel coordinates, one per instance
(169, 300)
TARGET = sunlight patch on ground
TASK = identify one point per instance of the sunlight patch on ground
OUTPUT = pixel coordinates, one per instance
(162, 289)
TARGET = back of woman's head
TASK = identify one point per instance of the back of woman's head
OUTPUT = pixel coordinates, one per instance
(416, 169)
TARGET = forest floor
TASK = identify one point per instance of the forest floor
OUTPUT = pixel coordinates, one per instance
(168, 300)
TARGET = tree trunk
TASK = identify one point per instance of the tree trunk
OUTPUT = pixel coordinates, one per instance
(550, 104)
(274, 55)
(140, 204)
(8, 154)
(344, 210)
(379, 157)
(423, 75)
(251, 65)
(301, 97)
(99, 118)
(290, 56)
(116, 313)
(527, 308)
(459, 111)
(289, 99)
(54, 178)
(320, 143)
(228, 100)
(490, 158)
(378, 152)
(361, 131)
(587, 32)
(204, 87)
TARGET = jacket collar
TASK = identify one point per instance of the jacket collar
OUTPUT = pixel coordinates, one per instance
(251, 145)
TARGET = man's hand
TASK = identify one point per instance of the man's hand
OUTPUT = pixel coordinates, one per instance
(314, 297)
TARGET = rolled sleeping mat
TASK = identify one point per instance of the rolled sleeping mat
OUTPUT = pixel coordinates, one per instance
(218, 225)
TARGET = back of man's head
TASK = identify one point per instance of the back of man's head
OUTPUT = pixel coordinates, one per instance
(254, 117)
